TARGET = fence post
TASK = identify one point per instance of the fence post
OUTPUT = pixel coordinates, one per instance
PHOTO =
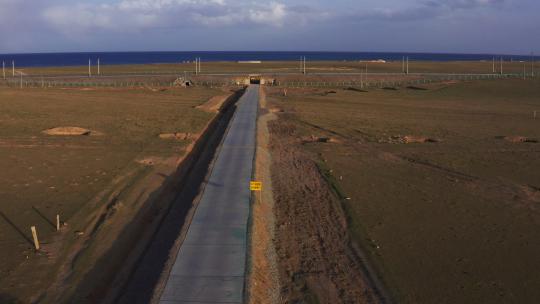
(35, 237)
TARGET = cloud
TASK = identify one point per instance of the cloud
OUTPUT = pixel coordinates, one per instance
(274, 15)
(462, 4)
(424, 10)
(153, 5)
(134, 15)
(80, 25)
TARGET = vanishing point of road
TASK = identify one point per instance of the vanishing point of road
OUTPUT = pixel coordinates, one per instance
(210, 266)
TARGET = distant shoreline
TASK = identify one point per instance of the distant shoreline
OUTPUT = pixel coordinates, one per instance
(130, 58)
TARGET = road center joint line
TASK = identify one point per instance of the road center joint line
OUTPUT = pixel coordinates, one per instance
(210, 265)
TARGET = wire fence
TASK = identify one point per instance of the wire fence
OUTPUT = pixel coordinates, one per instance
(383, 83)
(14, 83)
(365, 82)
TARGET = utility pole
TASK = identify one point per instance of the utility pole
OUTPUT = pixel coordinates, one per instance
(501, 65)
(361, 80)
(532, 64)
(197, 66)
(407, 65)
(365, 78)
(89, 67)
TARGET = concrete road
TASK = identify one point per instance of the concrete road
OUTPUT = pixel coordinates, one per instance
(211, 263)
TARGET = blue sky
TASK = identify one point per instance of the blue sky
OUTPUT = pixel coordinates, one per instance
(462, 26)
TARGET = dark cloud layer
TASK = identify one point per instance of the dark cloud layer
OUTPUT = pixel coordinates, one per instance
(471, 25)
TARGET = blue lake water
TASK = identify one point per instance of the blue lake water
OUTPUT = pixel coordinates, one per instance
(77, 59)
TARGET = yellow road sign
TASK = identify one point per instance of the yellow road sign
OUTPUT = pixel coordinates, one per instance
(255, 186)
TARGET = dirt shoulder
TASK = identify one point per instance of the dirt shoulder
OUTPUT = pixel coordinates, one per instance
(263, 278)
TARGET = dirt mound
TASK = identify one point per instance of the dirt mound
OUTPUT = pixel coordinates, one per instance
(176, 136)
(519, 139)
(276, 110)
(411, 139)
(356, 90)
(326, 93)
(417, 88)
(214, 104)
(70, 131)
(316, 139)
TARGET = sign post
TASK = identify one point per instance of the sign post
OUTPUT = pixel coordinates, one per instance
(256, 187)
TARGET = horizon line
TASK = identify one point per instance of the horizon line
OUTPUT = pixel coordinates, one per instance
(531, 54)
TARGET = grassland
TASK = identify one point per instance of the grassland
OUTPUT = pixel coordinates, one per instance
(44, 175)
(455, 220)
(475, 67)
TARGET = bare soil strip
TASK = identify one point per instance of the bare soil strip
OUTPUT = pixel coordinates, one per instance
(316, 261)
(263, 276)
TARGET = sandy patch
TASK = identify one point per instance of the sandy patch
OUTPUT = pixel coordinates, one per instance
(276, 110)
(520, 139)
(410, 139)
(176, 136)
(70, 131)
